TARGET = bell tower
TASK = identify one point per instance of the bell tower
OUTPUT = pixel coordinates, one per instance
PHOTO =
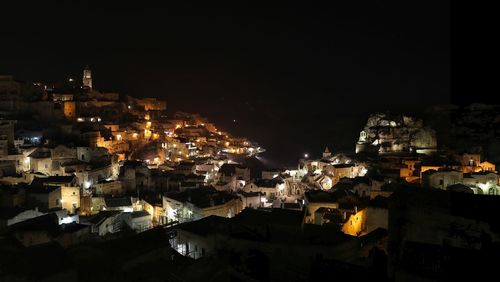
(87, 78)
(327, 153)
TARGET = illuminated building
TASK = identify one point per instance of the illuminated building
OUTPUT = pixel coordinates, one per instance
(69, 108)
(87, 78)
(194, 204)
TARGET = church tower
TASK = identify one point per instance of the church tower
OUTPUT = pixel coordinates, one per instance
(326, 153)
(87, 78)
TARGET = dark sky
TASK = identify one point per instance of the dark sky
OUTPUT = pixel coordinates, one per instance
(295, 79)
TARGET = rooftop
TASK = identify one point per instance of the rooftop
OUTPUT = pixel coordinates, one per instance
(293, 206)
(230, 169)
(319, 196)
(48, 223)
(97, 218)
(137, 214)
(343, 165)
(8, 213)
(53, 180)
(269, 183)
(203, 197)
(379, 202)
(206, 225)
(250, 194)
(118, 202)
(472, 206)
(40, 153)
(285, 217)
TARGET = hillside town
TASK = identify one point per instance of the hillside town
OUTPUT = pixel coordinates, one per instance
(108, 186)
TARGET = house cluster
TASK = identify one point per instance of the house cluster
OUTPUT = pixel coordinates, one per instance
(351, 191)
(465, 172)
(89, 176)
(324, 173)
(109, 163)
(272, 243)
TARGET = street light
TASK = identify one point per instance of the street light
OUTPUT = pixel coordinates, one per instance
(306, 155)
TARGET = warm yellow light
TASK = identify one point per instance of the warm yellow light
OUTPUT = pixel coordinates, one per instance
(118, 137)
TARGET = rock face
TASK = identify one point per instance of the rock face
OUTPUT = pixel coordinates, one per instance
(473, 128)
(395, 134)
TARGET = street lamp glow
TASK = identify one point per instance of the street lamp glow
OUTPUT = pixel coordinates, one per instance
(306, 155)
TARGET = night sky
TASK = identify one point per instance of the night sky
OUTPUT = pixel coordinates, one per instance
(294, 79)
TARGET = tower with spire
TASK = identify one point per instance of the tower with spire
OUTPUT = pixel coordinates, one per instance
(326, 153)
(87, 78)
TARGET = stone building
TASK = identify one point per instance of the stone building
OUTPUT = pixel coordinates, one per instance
(87, 78)
(197, 203)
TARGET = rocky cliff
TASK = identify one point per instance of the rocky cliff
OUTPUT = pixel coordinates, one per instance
(385, 133)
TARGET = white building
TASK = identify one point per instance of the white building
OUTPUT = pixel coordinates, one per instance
(138, 220)
(442, 179)
(270, 188)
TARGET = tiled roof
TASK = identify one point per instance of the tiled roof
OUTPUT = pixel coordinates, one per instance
(270, 183)
(96, 219)
(118, 202)
(137, 214)
(40, 153)
(53, 180)
(203, 197)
